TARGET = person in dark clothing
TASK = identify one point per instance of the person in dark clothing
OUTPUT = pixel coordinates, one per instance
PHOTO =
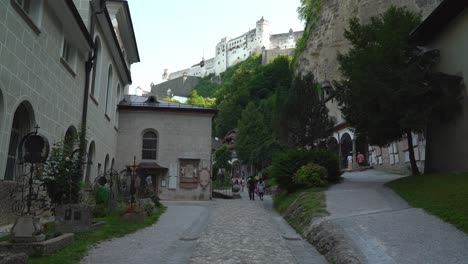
(251, 187)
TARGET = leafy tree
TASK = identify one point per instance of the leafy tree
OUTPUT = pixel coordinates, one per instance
(247, 82)
(196, 99)
(389, 89)
(304, 113)
(255, 142)
(206, 87)
(222, 157)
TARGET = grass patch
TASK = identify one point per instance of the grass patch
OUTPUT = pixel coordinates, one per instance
(83, 241)
(300, 207)
(443, 195)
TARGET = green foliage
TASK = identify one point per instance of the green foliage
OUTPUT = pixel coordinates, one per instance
(311, 175)
(299, 208)
(101, 194)
(286, 164)
(196, 99)
(82, 242)
(149, 193)
(62, 173)
(149, 209)
(206, 87)
(443, 195)
(304, 113)
(309, 12)
(222, 156)
(389, 88)
(255, 142)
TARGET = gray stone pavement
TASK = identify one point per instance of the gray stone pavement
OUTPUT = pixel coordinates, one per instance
(218, 231)
(385, 229)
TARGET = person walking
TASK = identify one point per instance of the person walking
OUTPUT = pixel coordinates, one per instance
(260, 188)
(242, 183)
(361, 159)
(251, 187)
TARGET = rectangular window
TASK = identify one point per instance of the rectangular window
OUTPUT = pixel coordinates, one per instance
(30, 11)
(149, 148)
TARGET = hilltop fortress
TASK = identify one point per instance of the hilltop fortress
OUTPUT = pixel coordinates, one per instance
(229, 52)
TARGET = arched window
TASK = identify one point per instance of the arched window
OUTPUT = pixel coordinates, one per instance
(22, 125)
(150, 144)
(89, 163)
(117, 99)
(70, 140)
(106, 163)
(95, 84)
(109, 88)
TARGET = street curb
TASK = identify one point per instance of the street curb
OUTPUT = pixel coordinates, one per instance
(331, 241)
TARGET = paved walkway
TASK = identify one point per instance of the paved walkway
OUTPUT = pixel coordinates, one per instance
(219, 231)
(386, 229)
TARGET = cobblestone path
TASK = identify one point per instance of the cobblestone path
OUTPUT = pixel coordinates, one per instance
(218, 231)
(244, 231)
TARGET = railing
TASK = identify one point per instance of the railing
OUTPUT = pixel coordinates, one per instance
(165, 105)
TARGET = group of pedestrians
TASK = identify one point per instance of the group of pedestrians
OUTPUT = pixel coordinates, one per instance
(254, 186)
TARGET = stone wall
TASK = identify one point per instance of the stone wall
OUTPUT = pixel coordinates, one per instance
(181, 86)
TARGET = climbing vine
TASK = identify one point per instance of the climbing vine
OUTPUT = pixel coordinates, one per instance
(309, 12)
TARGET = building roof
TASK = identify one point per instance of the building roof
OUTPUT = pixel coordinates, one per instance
(438, 20)
(136, 102)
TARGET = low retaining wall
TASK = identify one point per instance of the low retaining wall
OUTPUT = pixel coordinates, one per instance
(37, 249)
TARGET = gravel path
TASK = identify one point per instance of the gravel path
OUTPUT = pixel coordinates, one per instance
(385, 229)
(219, 231)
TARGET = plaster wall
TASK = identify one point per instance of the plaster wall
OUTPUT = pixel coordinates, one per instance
(447, 148)
(31, 71)
(180, 136)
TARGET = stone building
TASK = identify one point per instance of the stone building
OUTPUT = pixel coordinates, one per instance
(320, 57)
(229, 52)
(46, 50)
(446, 29)
(171, 143)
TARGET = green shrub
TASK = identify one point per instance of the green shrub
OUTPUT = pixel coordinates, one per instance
(149, 209)
(285, 165)
(311, 175)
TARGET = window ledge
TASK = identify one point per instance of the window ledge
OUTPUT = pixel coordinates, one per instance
(107, 117)
(25, 17)
(94, 99)
(116, 129)
(69, 69)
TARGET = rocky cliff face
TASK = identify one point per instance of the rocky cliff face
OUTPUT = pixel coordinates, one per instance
(327, 40)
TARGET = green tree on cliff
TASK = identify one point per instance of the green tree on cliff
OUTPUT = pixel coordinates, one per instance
(389, 88)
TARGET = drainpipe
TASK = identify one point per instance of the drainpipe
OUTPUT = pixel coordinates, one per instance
(84, 116)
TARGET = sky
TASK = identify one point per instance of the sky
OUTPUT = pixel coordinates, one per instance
(176, 34)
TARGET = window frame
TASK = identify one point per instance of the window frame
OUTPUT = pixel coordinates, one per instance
(32, 14)
(153, 151)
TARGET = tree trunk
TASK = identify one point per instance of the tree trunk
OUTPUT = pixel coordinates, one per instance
(414, 167)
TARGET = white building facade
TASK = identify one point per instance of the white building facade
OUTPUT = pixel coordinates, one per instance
(63, 64)
(229, 52)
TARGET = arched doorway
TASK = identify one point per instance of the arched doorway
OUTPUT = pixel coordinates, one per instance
(90, 162)
(346, 149)
(23, 122)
